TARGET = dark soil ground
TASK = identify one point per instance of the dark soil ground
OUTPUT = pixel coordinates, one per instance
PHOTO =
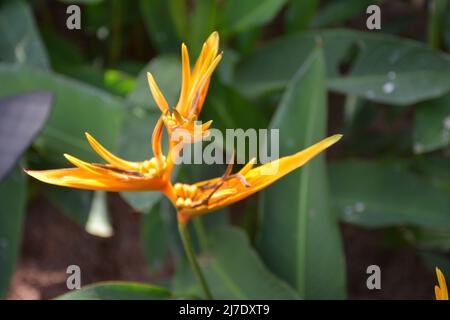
(51, 242)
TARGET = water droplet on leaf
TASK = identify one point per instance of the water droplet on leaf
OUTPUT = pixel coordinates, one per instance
(388, 87)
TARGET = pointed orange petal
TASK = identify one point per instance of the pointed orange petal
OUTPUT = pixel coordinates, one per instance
(186, 80)
(437, 293)
(199, 88)
(442, 285)
(109, 157)
(82, 179)
(157, 94)
(97, 171)
(156, 139)
(213, 41)
(260, 177)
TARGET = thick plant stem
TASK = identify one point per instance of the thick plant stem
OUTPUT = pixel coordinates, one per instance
(187, 243)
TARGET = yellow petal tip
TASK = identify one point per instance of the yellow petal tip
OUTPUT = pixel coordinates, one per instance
(333, 139)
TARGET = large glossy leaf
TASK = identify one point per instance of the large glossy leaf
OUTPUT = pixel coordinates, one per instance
(116, 290)
(21, 119)
(242, 15)
(386, 69)
(432, 125)
(12, 209)
(376, 195)
(299, 237)
(77, 108)
(20, 41)
(233, 270)
(273, 65)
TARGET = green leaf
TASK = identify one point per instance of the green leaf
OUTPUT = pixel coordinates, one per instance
(116, 290)
(154, 236)
(159, 25)
(178, 11)
(63, 53)
(166, 70)
(300, 14)
(202, 24)
(387, 69)
(229, 109)
(299, 238)
(272, 66)
(12, 210)
(20, 41)
(240, 16)
(76, 204)
(77, 108)
(375, 195)
(432, 125)
(233, 270)
(426, 238)
(337, 12)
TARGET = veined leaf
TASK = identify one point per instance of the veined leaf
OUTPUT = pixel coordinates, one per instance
(20, 42)
(300, 14)
(12, 209)
(432, 125)
(337, 12)
(376, 195)
(387, 69)
(242, 15)
(117, 290)
(77, 108)
(299, 237)
(233, 270)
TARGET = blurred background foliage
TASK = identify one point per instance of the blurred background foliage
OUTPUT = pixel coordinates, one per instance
(309, 68)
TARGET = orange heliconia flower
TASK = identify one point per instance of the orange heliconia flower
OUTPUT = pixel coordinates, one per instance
(154, 174)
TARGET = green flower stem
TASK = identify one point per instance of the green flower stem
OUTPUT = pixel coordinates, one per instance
(200, 232)
(187, 243)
